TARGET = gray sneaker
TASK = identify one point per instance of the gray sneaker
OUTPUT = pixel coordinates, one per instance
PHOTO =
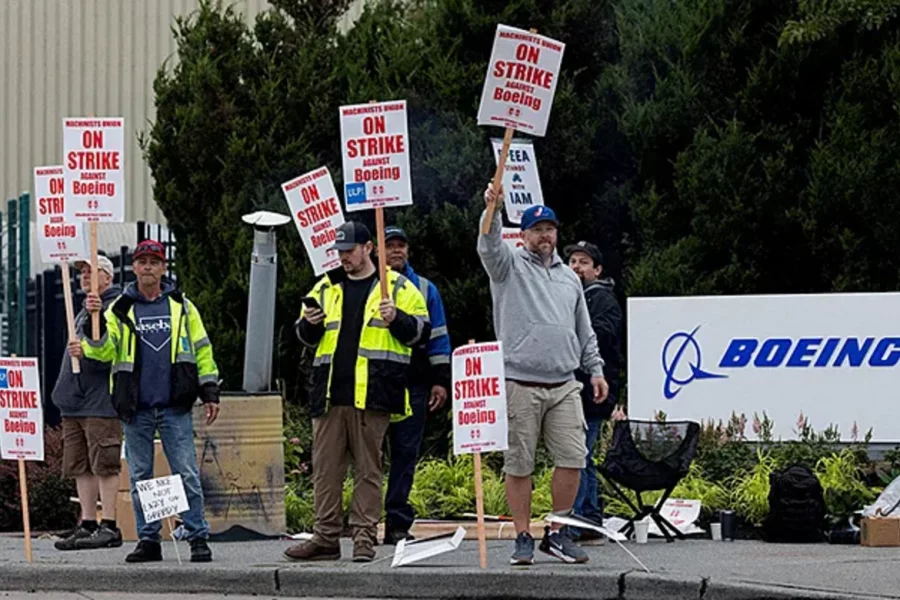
(524, 554)
(69, 542)
(560, 545)
(103, 537)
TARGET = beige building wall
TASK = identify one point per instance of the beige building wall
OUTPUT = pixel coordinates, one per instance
(64, 58)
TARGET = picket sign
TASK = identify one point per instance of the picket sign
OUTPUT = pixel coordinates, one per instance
(316, 210)
(513, 237)
(58, 240)
(163, 498)
(375, 150)
(521, 181)
(94, 173)
(518, 90)
(479, 414)
(21, 425)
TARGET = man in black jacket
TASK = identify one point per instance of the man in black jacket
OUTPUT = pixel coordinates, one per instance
(606, 318)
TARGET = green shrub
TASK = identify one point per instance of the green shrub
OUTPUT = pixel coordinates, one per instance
(750, 496)
(842, 486)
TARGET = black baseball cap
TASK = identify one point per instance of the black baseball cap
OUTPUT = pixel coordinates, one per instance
(588, 248)
(349, 235)
(395, 233)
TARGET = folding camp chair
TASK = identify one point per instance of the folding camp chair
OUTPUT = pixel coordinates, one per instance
(645, 456)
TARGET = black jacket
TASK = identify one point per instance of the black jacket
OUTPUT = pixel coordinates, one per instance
(606, 319)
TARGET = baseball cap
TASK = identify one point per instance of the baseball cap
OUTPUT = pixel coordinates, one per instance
(588, 248)
(395, 233)
(149, 248)
(538, 214)
(103, 264)
(349, 235)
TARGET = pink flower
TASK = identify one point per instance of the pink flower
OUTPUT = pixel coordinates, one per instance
(757, 426)
(801, 421)
(854, 432)
(295, 441)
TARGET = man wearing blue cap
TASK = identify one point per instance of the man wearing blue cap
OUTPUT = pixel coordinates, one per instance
(429, 380)
(541, 317)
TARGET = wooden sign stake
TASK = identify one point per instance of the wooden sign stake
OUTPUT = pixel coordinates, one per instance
(95, 317)
(70, 317)
(379, 234)
(174, 540)
(26, 518)
(479, 507)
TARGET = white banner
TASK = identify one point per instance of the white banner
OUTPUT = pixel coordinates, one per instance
(57, 239)
(832, 358)
(521, 80)
(94, 163)
(21, 410)
(521, 182)
(162, 497)
(317, 213)
(375, 149)
(513, 236)
(479, 399)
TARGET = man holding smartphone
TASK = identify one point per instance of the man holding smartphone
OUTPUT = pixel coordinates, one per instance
(363, 348)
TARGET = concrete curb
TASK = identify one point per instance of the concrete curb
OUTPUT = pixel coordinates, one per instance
(406, 583)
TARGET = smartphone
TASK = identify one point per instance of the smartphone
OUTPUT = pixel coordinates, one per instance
(310, 303)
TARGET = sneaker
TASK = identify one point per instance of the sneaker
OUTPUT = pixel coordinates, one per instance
(524, 554)
(393, 536)
(200, 551)
(310, 550)
(146, 551)
(363, 551)
(70, 542)
(103, 537)
(560, 545)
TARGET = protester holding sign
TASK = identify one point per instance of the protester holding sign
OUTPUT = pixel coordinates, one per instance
(157, 378)
(541, 317)
(363, 347)
(92, 432)
(429, 381)
(586, 260)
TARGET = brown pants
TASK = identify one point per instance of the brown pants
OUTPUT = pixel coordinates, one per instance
(341, 434)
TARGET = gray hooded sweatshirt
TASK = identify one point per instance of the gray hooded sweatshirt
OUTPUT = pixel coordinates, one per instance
(87, 394)
(540, 314)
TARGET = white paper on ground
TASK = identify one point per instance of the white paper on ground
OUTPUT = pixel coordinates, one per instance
(408, 552)
(575, 522)
(301, 536)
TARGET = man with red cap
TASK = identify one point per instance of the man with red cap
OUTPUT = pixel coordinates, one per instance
(162, 362)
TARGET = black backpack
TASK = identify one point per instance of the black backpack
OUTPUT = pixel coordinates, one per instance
(796, 507)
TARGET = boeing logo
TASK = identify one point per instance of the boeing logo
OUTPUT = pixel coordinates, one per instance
(681, 361)
(682, 356)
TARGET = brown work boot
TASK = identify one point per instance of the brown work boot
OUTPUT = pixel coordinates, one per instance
(310, 550)
(363, 551)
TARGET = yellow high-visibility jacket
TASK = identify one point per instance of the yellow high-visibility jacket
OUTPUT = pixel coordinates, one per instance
(194, 371)
(384, 353)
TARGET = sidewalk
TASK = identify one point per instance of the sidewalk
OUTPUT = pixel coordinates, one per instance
(688, 569)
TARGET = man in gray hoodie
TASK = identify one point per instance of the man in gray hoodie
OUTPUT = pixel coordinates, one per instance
(541, 317)
(92, 432)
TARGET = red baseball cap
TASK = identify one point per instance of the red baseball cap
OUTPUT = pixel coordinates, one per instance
(149, 248)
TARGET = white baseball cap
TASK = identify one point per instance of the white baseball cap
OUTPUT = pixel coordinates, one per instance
(103, 263)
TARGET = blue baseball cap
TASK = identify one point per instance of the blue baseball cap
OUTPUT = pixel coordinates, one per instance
(538, 214)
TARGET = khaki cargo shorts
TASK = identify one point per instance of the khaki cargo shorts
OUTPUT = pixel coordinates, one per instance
(555, 411)
(91, 445)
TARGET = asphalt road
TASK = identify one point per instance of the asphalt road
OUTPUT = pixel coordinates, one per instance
(121, 596)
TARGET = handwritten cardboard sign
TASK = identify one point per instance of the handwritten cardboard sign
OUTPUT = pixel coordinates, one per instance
(162, 497)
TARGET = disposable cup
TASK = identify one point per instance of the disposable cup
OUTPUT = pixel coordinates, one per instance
(715, 530)
(641, 529)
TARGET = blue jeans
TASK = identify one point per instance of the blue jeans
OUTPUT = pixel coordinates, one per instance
(404, 442)
(176, 430)
(587, 502)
